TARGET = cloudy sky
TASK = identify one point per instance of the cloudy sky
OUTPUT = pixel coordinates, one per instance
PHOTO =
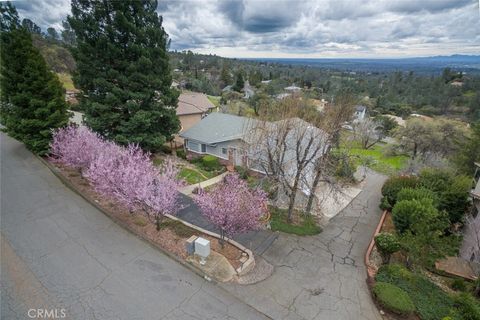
(306, 29)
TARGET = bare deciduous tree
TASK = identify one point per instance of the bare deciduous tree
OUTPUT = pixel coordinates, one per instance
(368, 132)
(471, 239)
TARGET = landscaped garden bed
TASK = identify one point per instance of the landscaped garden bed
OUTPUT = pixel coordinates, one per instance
(172, 235)
(301, 224)
(420, 229)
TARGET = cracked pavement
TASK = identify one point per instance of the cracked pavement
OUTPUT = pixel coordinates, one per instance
(322, 276)
(60, 252)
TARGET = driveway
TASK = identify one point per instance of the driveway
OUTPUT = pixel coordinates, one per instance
(323, 276)
(60, 252)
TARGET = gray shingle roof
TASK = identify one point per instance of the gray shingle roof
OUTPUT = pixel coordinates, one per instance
(217, 127)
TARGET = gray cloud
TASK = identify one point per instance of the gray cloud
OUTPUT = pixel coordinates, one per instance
(306, 28)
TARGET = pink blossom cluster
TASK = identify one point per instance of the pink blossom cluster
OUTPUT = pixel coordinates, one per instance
(123, 173)
(232, 206)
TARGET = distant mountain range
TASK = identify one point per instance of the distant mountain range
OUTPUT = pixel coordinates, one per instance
(435, 64)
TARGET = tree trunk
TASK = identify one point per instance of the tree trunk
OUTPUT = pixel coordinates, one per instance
(222, 238)
(311, 197)
(293, 195)
(157, 222)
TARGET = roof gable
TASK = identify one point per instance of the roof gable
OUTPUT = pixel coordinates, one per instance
(192, 103)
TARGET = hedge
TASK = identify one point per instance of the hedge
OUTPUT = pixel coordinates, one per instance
(393, 298)
(392, 187)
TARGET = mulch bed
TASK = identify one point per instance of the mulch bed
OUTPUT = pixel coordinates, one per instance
(167, 238)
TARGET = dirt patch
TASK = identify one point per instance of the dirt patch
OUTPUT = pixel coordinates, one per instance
(388, 225)
(173, 234)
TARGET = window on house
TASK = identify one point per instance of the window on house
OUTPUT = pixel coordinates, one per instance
(224, 150)
(204, 147)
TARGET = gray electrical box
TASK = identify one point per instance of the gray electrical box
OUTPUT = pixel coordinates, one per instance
(190, 245)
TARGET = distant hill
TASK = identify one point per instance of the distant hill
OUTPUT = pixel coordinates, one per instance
(57, 56)
(433, 65)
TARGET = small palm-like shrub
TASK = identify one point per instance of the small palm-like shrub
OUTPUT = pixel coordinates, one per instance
(393, 298)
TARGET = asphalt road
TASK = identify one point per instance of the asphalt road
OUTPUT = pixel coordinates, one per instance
(59, 253)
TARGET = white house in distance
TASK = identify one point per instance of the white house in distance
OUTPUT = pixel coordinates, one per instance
(360, 113)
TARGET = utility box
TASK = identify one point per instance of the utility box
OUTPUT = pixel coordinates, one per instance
(190, 245)
(202, 249)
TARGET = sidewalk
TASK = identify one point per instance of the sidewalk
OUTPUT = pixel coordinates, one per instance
(189, 189)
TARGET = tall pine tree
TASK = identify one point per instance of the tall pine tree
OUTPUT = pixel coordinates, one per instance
(33, 100)
(123, 70)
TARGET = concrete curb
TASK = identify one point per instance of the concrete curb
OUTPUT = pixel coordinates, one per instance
(247, 266)
(371, 270)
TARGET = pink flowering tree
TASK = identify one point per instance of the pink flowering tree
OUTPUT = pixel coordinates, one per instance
(125, 174)
(76, 146)
(232, 206)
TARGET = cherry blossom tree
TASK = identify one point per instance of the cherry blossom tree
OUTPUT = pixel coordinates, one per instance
(76, 146)
(232, 206)
(125, 174)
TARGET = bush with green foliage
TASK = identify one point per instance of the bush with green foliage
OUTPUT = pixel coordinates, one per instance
(345, 169)
(459, 285)
(210, 163)
(466, 307)
(393, 298)
(408, 213)
(181, 153)
(242, 172)
(393, 185)
(417, 194)
(452, 191)
(387, 244)
(430, 301)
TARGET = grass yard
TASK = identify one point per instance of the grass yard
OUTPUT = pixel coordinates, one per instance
(215, 100)
(376, 159)
(66, 81)
(193, 176)
(301, 225)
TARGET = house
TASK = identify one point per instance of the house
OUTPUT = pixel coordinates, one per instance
(398, 120)
(470, 249)
(360, 113)
(220, 135)
(241, 141)
(292, 89)
(282, 96)
(192, 107)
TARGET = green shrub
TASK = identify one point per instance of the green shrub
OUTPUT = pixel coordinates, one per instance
(387, 244)
(210, 163)
(166, 149)
(459, 285)
(430, 301)
(345, 169)
(466, 307)
(181, 154)
(242, 172)
(393, 298)
(417, 194)
(393, 185)
(452, 191)
(406, 214)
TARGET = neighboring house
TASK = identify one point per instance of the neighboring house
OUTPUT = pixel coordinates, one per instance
(470, 249)
(282, 96)
(397, 119)
(242, 141)
(293, 89)
(227, 88)
(421, 116)
(192, 107)
(360, 113)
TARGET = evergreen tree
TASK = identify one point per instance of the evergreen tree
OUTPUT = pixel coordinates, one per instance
(68, 35)
(123, 70)
(239, 83)
(33, 101)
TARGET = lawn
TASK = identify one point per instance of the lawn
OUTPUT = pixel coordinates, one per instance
(302, 225)
(66, 81)
(376, 159)
(215, 100)
(193, 176)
